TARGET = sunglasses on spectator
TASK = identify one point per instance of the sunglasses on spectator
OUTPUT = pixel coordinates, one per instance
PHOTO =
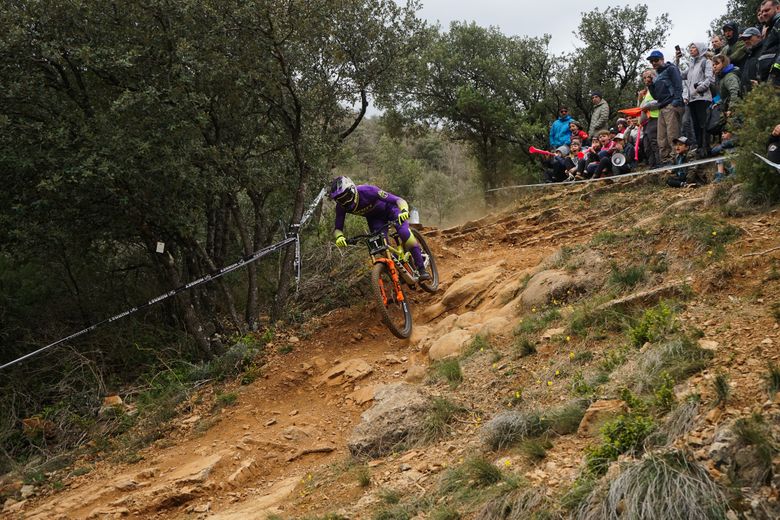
(653, 60)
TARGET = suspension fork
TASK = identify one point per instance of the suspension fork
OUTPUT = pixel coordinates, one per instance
(399, 294)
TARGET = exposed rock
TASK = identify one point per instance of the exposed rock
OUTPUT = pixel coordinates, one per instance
(419, 334)
(466, 290)
(363, 395)
(27, 491)
(398, 412)
(551, 333)
(449, 345)
(415, 374)
(708, 344)
(260, 506)
(299, 433)
(598, 413)
(546, 286)
(494, 326)
(649, 296)
(242, 473)
(350, 370)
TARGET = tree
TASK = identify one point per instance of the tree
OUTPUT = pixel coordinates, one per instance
(198, 124)
(616, 43)
(485, 89)
(741, 12)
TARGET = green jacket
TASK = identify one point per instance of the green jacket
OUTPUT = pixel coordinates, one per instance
(728, 87)
(736, 53)
(599, 119)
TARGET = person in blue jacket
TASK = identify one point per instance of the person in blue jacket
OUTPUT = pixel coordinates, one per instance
(560, 133)
(379, 207)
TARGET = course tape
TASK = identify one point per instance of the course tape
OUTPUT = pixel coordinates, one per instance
(293, 238)
(616, 177)
(200, 281)
(776, 166)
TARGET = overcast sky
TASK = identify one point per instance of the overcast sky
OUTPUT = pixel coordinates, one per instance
(559, 18)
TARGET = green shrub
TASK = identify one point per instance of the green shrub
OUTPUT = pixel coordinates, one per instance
(625, 433)
(663, 397)
(653, 325)
(758, 113)
(581, 387)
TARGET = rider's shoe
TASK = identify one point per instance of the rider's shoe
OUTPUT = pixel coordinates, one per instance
(423, 277)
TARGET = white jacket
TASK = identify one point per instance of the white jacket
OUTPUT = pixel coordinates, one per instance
(698, 77)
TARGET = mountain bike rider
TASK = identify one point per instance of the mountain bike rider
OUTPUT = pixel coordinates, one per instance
(379, 207)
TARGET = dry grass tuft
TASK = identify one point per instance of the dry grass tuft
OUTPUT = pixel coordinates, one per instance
(665, 485)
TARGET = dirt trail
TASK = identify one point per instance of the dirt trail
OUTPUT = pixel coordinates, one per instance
(267, 453)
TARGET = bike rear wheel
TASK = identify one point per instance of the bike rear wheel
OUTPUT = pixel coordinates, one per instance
(431, 285)
(395, 314)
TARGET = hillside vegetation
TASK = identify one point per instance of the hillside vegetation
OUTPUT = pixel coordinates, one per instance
(595, 352)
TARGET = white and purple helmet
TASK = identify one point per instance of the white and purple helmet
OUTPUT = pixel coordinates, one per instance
(343, 191)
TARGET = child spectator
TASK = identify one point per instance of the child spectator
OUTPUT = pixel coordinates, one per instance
(590, 161)
(621, 148)
(683, 177)
(557, 165)
(578, 133)
(725, 168)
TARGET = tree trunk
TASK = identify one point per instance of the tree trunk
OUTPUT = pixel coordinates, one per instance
(251, 312)
(288, 256)
(191, 319)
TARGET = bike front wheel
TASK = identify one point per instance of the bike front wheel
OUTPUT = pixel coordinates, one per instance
(394, 312)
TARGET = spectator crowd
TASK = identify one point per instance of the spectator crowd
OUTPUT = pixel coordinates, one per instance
(685, 109)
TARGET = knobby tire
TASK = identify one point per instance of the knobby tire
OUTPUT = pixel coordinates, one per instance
(395, 315)
(431, 285)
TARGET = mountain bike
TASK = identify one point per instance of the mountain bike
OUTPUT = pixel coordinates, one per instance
(393, 268)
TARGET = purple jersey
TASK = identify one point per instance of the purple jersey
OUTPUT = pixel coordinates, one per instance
(373, 203)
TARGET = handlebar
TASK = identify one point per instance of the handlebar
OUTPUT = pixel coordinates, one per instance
(357, 238)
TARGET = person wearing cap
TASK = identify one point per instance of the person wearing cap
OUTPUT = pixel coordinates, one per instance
(559, 130)
(698, 77)
(666, 90)
(769, 16)
(753, 45)
(735, 47)
(600, 116)
(620, 147)
(679, 176)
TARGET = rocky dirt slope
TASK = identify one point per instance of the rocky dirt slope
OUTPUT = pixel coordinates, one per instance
(539, 312)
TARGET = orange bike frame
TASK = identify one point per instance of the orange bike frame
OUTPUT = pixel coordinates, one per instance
(399, 294)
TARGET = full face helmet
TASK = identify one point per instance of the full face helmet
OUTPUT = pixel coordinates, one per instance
(343, 191)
